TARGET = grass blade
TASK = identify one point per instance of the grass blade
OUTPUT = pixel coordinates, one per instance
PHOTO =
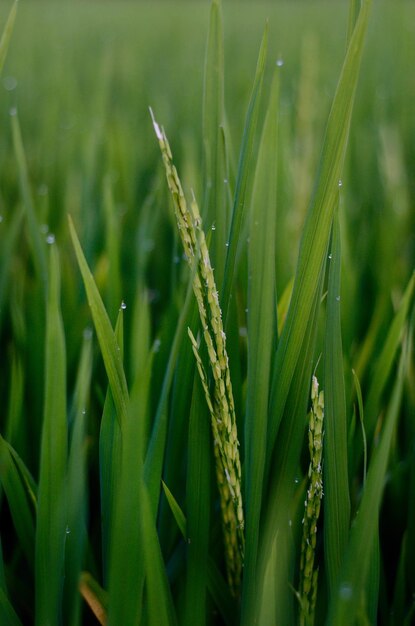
(386, 358)
(362, 423)
(217, 586)
(262, 325)
(19, 500)
(127, 567)
(244, 167)
(336, 487)
(354, 9)
(155, 453)
(107, 342)
(15, 409)
(109, 461)
(6, 258)
(198, 491)
(77, 506)
(112, 234)
(176, 510)
(158, 592)
(7, 34)
(51, 511)
(175, 463)
(283, 305)
(135, 549)
(7, 613)
(215, 209)
(354, 572)
(35, 239)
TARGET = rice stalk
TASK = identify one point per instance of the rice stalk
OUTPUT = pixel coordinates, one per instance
(220, 402)
(309, 575)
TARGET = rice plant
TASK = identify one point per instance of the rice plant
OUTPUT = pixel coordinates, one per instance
(207, 381)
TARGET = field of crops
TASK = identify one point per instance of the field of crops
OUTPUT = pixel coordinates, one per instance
(207, 313)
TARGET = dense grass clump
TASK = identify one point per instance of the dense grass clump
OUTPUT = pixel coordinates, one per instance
(207, 315)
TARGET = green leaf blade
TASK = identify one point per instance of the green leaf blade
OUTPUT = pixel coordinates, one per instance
(110, 443)
(336, 487)
(18, 497)
(262, 327)
(245, 163)
(51, 512)
(7, 34)
(108, 344)
(77, 487)
(35, 240)
(215, 209)
(7, 613)
(386, 359)
(198, 492)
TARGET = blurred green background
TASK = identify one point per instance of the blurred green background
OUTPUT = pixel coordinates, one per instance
(82, 76)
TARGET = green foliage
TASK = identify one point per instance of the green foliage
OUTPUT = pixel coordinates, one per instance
(120, 456)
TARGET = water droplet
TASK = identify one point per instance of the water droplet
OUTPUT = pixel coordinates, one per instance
(346, 591)
(1, 219)
(189, 541)
(10, 83)
(246, 310)
(330, 257)
(123, 305)
(68, 530)
(83, 411)
(290, 523)
(340, 183)
(280, 62)
(243, 332)
(156, 345)
(296, 480)
(213, 227)
(50, 239)
(338, 298)
(13, 112)
(88, 333)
